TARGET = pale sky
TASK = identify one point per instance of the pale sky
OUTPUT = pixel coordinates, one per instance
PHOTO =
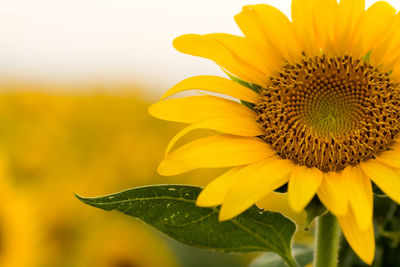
(112, 40)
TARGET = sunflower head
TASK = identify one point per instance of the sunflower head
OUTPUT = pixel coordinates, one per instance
(329, 112)
(324, 113)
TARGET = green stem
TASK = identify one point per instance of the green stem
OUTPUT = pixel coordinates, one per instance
(327, 241)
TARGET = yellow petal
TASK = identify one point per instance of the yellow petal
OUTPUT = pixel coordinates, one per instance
(303, 184)
(257, 181)
(242, 125)
(274, 32)
(359, 193)
(214, 193)
(386, 50)
(385, 177)
(362, 242)
(331, 193)
(391, 157)
(246, 51)
(197, 108)
(255, 32)
(214, 84)
(349, 12)
(207, 47)
(215, 152)
(303, 22)
(324, 23)
(368, 31)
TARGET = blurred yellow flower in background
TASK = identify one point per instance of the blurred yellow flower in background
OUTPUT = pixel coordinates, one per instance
(19, 229)
(55, 145)
(124, 243)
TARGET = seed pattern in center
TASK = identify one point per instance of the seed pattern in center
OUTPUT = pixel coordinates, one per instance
(330, 112)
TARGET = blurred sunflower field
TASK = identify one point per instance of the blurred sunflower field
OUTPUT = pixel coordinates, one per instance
(53, 145)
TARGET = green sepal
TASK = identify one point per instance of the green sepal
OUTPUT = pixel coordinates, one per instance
(247, 104)
(313, 210)
(171, 209)
(378, 192)
(255, 87)
(282, 189)
(367, 56)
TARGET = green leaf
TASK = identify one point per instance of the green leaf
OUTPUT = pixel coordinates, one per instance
(313, 210)
(302, 254)
(172, 210)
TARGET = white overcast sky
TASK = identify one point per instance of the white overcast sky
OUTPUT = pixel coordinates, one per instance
(112, 40)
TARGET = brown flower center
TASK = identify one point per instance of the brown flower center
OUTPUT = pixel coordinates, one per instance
(330, 112)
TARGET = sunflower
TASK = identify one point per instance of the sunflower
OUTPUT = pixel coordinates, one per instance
(319, 110)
